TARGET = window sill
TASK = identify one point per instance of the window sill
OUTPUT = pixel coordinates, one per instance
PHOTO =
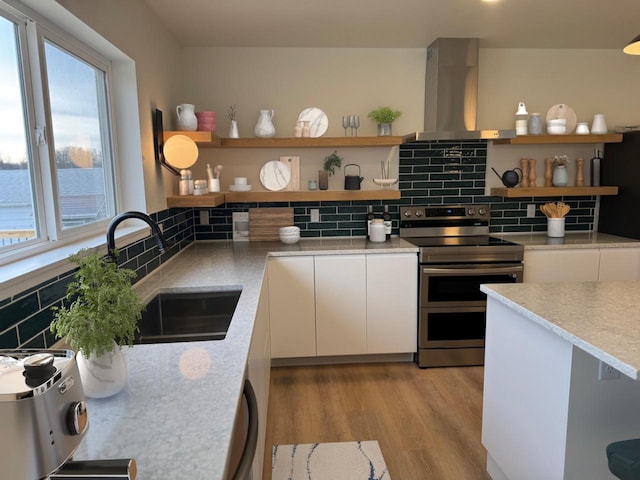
(29, 272)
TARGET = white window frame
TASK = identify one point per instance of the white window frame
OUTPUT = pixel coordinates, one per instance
(43, 260)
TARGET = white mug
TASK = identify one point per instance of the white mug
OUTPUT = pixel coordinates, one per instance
(240, 180)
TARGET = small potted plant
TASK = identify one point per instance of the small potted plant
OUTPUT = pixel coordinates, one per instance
(100, 314)
(384, 117)
(233, 127)
(331, 162)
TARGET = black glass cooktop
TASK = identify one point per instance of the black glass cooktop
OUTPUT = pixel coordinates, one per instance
(471, 241)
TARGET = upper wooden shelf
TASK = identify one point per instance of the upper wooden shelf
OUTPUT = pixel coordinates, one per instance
(558, 139)
(216, 199)
(552, 191)
(208, 140)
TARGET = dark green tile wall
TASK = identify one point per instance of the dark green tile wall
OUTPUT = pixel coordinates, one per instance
(430, 173)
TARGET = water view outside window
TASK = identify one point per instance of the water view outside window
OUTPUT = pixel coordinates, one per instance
(17, 205)
(77, 93)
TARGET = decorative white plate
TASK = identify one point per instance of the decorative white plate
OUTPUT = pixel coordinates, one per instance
(239, 188)
(318, 121)
(180, 151)
(562, 110)
(275, 175)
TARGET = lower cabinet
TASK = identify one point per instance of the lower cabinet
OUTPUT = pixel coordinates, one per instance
(343, 304)
(582, 265)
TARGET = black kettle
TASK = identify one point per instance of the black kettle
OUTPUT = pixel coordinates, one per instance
(510, 178)
(352, 182)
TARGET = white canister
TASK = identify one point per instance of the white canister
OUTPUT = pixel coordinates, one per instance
(555, 227)
(214, 184)
(378, 230)
(522, 118)
(599, 125)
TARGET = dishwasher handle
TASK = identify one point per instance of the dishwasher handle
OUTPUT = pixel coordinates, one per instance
(246, 460)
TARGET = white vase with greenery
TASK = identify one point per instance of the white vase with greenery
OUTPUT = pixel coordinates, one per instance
(100, 315)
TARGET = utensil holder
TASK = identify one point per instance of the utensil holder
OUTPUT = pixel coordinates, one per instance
(555, 227)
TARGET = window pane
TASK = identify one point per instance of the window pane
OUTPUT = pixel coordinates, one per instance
(17, 205)
(77, 93)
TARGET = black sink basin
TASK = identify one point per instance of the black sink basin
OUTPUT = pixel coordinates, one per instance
(187, 316)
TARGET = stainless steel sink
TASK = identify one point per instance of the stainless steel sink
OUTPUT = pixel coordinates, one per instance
(187, 316)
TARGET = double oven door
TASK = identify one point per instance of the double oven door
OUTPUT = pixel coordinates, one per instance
(451, 328)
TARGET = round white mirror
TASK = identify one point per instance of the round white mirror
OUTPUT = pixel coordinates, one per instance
(180, 151)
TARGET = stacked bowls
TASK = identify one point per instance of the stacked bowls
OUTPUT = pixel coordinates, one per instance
(289, 235)
(557, 126)
(206, 121)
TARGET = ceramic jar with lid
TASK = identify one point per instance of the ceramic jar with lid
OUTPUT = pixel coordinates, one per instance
(378, 231)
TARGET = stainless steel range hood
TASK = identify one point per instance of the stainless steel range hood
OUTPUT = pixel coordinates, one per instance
(451, 93)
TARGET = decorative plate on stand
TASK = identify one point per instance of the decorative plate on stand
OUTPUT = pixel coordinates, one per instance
(318, 121)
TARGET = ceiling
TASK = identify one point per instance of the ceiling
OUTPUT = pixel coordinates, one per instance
(590, 24)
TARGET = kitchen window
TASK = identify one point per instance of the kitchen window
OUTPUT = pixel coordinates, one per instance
(57, 175)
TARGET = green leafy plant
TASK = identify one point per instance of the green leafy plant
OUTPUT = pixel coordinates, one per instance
(101, 306)
(384, 115)
(331, 162)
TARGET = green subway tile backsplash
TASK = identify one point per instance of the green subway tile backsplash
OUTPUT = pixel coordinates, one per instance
(430, 173)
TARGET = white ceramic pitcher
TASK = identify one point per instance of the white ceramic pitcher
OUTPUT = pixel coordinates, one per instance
(264, 126)
(187, 119)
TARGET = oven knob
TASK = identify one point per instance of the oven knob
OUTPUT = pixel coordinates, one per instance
(482, 211)
(418, 213)
(407, 213)
(471, 212)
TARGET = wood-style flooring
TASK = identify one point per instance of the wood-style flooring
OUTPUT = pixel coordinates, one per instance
(427, 421)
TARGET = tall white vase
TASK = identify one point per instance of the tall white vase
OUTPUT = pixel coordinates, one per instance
(105, 375)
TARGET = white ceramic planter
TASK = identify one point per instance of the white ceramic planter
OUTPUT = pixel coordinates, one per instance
(103, 376)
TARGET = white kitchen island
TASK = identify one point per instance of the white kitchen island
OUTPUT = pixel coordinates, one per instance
(546, 414)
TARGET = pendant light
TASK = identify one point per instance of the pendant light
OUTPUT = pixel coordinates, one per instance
(633, 47)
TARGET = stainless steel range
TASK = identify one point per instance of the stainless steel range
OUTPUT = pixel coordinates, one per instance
(456, 255)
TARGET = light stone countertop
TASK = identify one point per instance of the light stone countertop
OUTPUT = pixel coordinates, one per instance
(601, 318)
(175, 416)
(540, 241)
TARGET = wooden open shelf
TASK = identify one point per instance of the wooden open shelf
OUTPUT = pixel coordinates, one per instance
(208, 140)
(553, 191)
(558, 139)
(189, 201)
(216, 199)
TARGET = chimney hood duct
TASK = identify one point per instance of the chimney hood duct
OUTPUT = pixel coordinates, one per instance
(451, 93)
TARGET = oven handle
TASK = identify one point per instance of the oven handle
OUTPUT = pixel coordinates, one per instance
(450, 270)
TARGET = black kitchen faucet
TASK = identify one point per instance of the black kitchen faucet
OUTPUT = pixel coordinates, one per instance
(111, 231)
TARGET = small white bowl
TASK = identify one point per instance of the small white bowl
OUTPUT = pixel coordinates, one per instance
(556, 129)
(285, 230)
(289, 239)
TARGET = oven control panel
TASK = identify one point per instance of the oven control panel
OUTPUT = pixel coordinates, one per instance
(444, 212)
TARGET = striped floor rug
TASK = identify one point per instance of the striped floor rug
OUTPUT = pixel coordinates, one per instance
(329, 461)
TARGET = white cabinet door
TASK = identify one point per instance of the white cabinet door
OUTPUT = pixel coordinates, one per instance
(392, 303)
(341, 312)
(562, 265)
(619, 264)
(291, 307)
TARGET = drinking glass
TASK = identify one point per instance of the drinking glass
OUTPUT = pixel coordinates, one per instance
(345, 123)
